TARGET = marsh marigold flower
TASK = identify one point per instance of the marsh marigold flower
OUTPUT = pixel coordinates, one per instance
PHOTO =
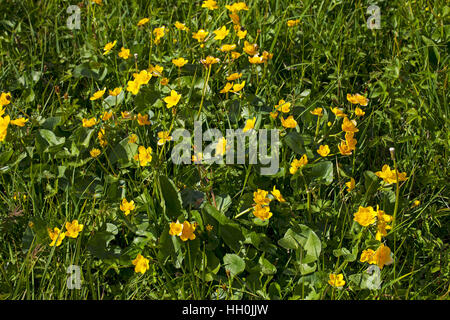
(221, 33)
(209, 60)
(382, 256)
(95, 152)
(179, 62)
(200, 35)
(238, 87)
(338, 112)
(97, 95)
(317, 112)
(249, 124)
(173, 99)
(289, 122)
(235, 55)
(227, 47)
(359, 112)
(350, 185)
(323, 150)
(250, 49)
(4, 123)
(175, 228)
(5, 99)
(181, 26)
(336, 280)
(163, 136)
(297, 164)
(365, 216)
(210, 4)
(144, 156)
(159, 33)
(357, 99)
(143, 119)
(283, 106)
(126, 206)
(20, 122)
(227, 88)
(133, 138)
(115, 92)
(262, 212)
(57, 236)
(141, 264)
(187, 232)
(142, 22)
(237, 6)
(124, 53)
(389, 176)
(260, 197)
(109, 46)
(87, 123)
(293, 23)
(234, 76)
(277, 194)
(133, 86)
(73, 229)
(221, 146)
(349, 125)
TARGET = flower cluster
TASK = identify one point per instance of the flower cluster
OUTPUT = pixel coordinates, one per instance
(72, 230)
(185, 230)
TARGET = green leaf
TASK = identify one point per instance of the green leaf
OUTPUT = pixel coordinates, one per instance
(171, 198)
(53, 142)
(322, 172)
(267, 267)
(234, 264)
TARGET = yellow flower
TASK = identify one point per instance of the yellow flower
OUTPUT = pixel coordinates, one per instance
(345, 149)
(227, 47)
(4, 122)
(241, 33)
(209, 61)
(57, 236)
(221, 146)
(389, 176)
(249, 124)
(260, 197)
(142, 77)
(164, 81)
(209, 227)
(367, 255)
(293, 23)
(173, 99)
(143, 21)
(20, 122)
(97, 95)
(261, 212)
(101, 135)
(227, 88)
(155, 70)
(365, 216)
(197, 158)
(108, 47)
(283, 106)
(94, 153)
(317, 112)
(277, 194)
(289, 122)
(238, 86)
(323, 150)
(416, 203)
(382, 256)
(382, 224)
(141, 264)
(159, 33)
(97, 1)
(163, 137)
(235, 55)
(5, 99)
(181, 26)
(126, 206)
(143, 119)
(115, 92)
(266, 56)
(336, 280)
(359, 112)
(175, 228)
(349, 125)
(179, 62)
(188, 231)
(234, 76)
(126, 114)
(73, 229)
(338, 112)
(87, 123)
(234, 18)
(221, 33)
(273, 114)
(256, 59)
(200, 35)
(250, 49)
(210, 4)
(124, 53)
(357, 99)
(296, 164)
(133, 138)
(133, 86)
(350, 141)
(144, 157)
(350, 185)
(236, 7)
